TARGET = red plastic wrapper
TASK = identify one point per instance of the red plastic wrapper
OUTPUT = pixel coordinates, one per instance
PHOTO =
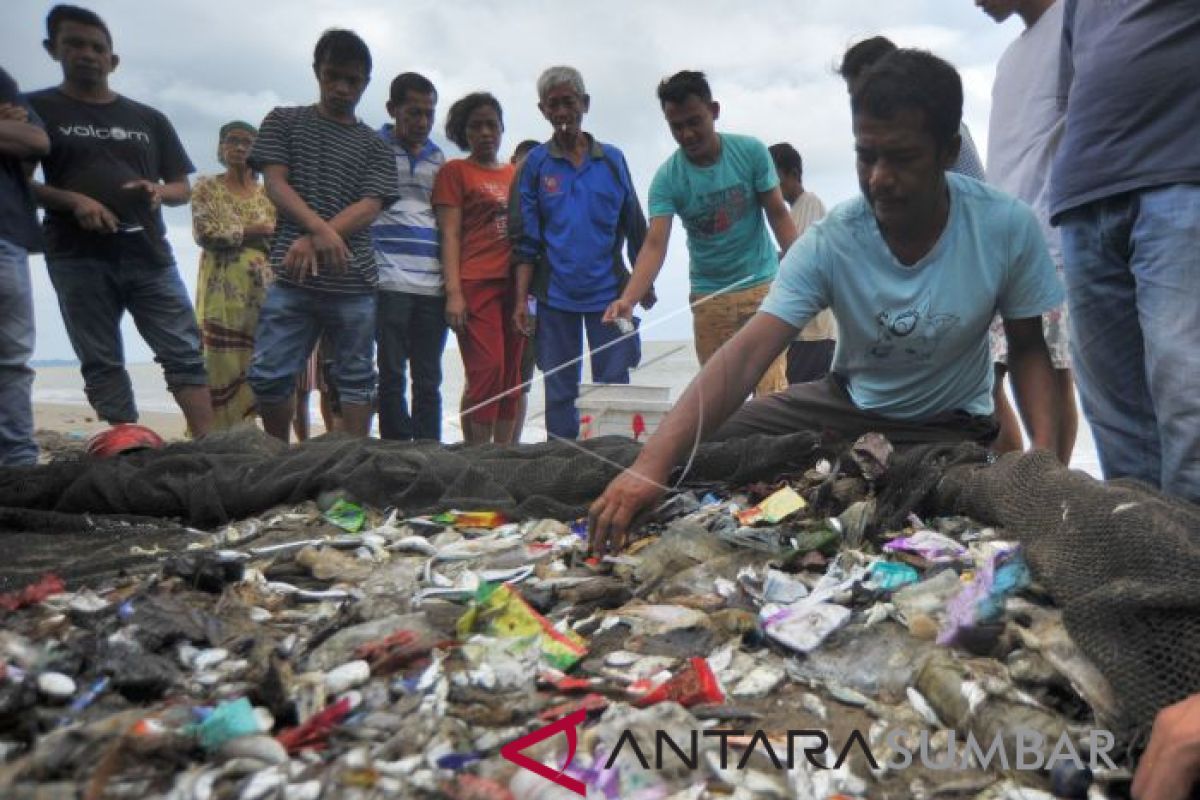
(693, 685)
(566, 684)
(473, 787)
(398, 651)
(48, 586)
(589, 703)
(312, 733)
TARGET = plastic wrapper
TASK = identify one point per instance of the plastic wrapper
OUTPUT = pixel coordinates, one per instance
(804, 626)
(981, 600)
(694, 684)
(928, 544)
(348, 516)
(227, 722)
(499, 610)
(891, 575)
(48, 586)
(779, 506)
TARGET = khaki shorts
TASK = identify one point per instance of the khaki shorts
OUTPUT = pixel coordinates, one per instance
(717, 317)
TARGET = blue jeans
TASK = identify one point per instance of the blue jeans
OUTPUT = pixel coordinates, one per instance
(410, 330)
(93, 295)
(290, 324)
(1132, 271)
(559, 341)
(17, 447)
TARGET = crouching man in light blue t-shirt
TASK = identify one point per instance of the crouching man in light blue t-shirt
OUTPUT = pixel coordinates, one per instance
(914, 270)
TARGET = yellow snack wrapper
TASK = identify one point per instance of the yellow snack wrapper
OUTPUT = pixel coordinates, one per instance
(499, 610)
(782, 504)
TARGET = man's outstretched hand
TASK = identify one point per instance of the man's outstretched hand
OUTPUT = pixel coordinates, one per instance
(1170, 767)
(609, 518)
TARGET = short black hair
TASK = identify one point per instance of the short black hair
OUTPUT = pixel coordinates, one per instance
(917, 80)
(460, 112)
(340, 46)
(407, 82)
(65, 13)
(862, 55)
(681, 85)
(523, 148)
(786, 158)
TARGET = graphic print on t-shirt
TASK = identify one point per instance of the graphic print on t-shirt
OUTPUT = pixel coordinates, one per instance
(499, 194)
(721, 210)
(911, 335)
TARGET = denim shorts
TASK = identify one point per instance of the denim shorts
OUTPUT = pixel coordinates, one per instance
(292, 320)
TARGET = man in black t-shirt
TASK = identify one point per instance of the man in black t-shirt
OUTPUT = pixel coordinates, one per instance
(22, 137)
(330, 176)
(113, 163)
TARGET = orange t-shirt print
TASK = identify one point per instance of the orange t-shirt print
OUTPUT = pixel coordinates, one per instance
(482, 194)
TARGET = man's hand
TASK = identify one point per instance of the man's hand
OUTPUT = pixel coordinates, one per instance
(649, 299)
(331, 249)
(1170, 767)
(148, 190)
(620, 308)
(456, 311)
(93, 215)
(300, 260)
(609, 518)
(10, 112)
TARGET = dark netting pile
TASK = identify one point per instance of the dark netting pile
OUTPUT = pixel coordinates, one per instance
(235, 475)
(1120, 559)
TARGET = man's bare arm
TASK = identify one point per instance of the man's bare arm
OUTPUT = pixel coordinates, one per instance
(779, 218)
(22, 140)
(722, 386)
(1033, 381)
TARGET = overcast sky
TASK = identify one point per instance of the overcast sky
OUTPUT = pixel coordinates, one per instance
(203, 62)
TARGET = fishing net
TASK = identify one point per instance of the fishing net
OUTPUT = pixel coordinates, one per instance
(1121, 559)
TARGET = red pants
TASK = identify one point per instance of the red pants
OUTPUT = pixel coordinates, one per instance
(491, 352)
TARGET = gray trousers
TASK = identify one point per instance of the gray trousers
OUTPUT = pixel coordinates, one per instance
(824, 406)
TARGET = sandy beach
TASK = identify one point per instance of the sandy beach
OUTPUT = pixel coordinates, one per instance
(61, 406)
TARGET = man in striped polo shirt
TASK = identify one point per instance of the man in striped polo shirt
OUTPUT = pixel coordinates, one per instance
(330, 176)
(411, 304)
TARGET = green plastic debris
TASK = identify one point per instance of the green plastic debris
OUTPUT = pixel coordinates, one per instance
(891, 575)
(228, 721)
(825, 541)
(348, 516)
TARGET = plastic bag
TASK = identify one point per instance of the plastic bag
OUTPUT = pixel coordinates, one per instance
(499, 610)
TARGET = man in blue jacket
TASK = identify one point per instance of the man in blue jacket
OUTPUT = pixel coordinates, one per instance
(573, 208)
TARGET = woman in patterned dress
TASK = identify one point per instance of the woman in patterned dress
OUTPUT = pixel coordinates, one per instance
(232, 220)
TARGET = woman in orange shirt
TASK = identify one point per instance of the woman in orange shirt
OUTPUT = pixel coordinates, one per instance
(470, 196)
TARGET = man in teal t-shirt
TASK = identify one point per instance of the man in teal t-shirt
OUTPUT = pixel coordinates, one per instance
(914, 271)
(720, 185)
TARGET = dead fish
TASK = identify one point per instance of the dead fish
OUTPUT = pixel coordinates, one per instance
(1048, 636)
(312, 596)
(413, 545)
(621, 658)
(475, 548)
(813, 705)
(922, 707)
(724, 713)
(761, 681)
(284, 548)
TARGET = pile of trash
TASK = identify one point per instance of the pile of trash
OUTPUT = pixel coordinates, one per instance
(767, 640)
